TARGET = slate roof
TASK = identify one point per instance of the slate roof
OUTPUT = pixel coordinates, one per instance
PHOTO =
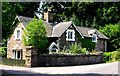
(26, 20)
(84, 32)
(60, 28)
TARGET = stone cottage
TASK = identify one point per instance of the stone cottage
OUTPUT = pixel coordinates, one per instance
(59, 35)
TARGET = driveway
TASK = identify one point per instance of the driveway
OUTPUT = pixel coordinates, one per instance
(82, 70)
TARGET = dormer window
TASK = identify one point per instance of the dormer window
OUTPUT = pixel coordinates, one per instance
(18, 33)
(94, 38)
(70, 36)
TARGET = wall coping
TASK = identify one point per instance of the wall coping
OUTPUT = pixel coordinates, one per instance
(70, 54)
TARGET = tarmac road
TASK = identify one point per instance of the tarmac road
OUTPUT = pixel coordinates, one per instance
(103, 69)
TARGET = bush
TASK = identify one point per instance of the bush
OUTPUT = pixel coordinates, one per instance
(111, 56)
(83, 51)
(107, 56)
(13, 62)
(76, 48)
(35, 35)
(2, 51)
(116, 55)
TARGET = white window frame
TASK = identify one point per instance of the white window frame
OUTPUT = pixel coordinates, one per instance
(16, 33)
(94, 35)
(15, 54)
(73, 35)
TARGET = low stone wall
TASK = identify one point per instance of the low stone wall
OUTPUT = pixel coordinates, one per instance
(33, 59)
(66, 60)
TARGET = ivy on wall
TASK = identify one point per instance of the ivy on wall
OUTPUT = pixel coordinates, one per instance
(86, 42)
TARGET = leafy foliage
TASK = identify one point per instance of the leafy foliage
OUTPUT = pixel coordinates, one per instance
(86, 42)
(10, 10)
(87, 14)
(116, 55)
(107, 56)
(76, 48)
(112, 31)
(2, 51)
(111, 56)
(32, 36)
(90, 14)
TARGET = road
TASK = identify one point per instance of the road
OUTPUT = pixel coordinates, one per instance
(82, 70)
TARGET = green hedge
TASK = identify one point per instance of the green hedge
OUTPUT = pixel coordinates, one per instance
(111, 56)
(13, 62)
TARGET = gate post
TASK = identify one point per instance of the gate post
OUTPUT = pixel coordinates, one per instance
(31, 56)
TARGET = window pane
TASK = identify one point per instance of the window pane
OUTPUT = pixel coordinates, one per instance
(69, 35)
(18, 33)
(94, 38)
(18, 54)
(13, 53)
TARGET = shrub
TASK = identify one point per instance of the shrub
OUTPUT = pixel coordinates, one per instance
(76, 48)
(83, 51)
(35, 35)
(107, 56)
(116, 55)
(2, 51)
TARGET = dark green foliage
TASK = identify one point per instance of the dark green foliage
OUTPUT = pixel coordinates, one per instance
(91, 14)
(13, 62)
(87, 14)
(2, 51)
(32, 36)
(10, 10)
(112, 31)
(86, 42)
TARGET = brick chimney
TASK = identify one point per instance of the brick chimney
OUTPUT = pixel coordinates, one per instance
(48, 16)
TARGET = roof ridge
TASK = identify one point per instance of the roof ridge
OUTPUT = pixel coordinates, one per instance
(86, 27)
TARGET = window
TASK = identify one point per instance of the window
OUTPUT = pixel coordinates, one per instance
(17, 54)
(94, 38)
(18, 33)
(70, 36)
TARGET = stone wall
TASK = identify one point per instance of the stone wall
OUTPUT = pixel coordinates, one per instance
(100, 45)
(67, 60)
(31, 56)
(33, 59)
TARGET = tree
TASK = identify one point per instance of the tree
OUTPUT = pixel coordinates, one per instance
(10, 10)
(35, 35)
(113, 32)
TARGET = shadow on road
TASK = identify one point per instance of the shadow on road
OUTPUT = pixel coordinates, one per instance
(24, 73)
